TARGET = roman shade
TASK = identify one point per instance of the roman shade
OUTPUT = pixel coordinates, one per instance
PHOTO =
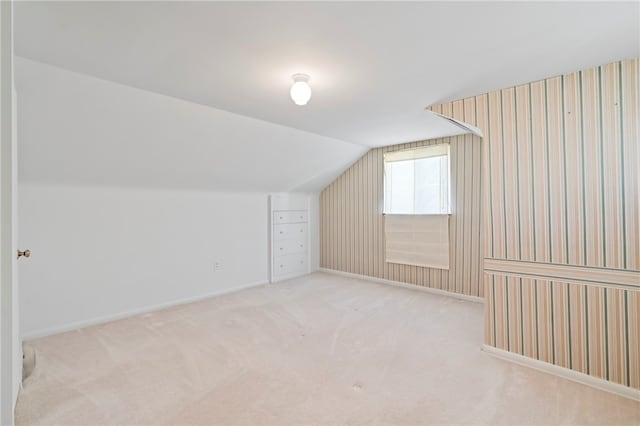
(420, 240)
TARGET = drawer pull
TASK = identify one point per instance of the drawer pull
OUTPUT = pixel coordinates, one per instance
(282, 266)
(281, 248)
(281, 232)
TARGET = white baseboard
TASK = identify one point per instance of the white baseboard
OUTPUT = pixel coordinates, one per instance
(563, 372)
(287, 277)
(474, 299)
(121, 315)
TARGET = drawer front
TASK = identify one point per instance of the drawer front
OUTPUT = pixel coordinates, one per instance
(288, 231)
(290, 246)
(291, 264)
(290, 216)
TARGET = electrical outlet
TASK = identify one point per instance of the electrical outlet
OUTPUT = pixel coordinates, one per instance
(217, 265)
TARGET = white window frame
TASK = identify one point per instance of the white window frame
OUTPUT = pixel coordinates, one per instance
(427, 151)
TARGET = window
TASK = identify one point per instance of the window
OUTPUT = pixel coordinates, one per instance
(416, 181)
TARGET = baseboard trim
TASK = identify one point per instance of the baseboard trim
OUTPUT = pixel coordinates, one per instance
(400, 284)
(133, 312)
(563, 372)
(281, 278)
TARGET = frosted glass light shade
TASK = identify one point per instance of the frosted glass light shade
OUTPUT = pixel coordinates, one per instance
(300, 91)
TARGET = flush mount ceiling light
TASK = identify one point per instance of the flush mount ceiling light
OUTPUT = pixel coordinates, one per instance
(300, 91)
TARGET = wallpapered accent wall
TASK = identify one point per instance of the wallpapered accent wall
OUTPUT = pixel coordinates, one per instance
(352, 223)
(562, 280)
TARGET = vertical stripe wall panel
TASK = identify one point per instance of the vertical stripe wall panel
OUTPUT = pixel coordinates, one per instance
(628, 103)
(590, 329)
(352, 223)
(560, 161)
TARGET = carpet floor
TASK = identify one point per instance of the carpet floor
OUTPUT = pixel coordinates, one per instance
(320, 349)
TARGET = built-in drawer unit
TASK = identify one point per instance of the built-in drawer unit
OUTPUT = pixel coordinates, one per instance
(289, 236)
(292, 264)
(286, 231)
(283, 247)
(292, 216)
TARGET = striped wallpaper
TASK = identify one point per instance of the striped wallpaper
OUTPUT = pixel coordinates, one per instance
(352, 223)
(590, 329)
(562, 280)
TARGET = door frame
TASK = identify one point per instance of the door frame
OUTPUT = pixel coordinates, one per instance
(10, 346)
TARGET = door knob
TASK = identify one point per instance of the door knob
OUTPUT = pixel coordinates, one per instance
(25, 253)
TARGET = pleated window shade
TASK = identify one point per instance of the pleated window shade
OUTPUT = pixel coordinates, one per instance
(420, 240)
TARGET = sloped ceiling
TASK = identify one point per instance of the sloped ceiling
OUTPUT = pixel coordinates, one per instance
(195, 94)
(77, 129)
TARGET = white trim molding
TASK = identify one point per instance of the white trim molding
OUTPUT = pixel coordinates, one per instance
(134, 312)
(400, 284)
(587, 275)
(565, 373)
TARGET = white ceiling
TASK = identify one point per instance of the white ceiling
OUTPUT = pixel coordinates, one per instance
(374, 67)
(77, 129)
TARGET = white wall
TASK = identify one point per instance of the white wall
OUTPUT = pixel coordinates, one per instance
(102, 252)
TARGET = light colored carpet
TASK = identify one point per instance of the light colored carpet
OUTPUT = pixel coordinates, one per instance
(316, 350)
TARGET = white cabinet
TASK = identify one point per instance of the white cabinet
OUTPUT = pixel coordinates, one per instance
(292, 246)
(287, 231)
(290, 265)
(290, 216)
(289, 236)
